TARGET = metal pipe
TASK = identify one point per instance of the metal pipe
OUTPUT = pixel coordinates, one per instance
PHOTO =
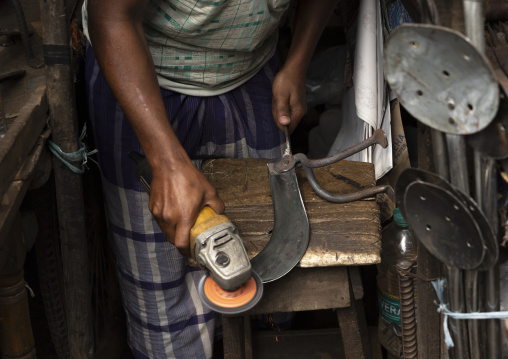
(459, 178)
(485, 183)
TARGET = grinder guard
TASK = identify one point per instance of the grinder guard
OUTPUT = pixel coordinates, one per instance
(222, 249)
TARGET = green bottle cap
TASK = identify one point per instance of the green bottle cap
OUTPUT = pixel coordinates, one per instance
(399, 218)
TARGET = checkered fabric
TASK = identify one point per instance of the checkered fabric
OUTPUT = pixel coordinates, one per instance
(210, 44)
(166, 318)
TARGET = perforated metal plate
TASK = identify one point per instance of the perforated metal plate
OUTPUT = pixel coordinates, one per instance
(441, 78)
(444, 225)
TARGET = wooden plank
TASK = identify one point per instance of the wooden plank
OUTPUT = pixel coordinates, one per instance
(354, 330)
(305, 289)
(247, 327)
(233, 337)
(341, 234)
(243, 182)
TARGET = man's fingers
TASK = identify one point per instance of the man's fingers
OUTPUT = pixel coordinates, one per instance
(182, 238)
(281, 111)
(217, 205)
(284, 120)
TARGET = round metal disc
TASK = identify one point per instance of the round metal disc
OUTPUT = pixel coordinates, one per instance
(444, 225)
(411, 175)
(232, 311)
(441, 78)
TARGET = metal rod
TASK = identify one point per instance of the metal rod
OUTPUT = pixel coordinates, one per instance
(377, 138)
(492, 291)
(455, 292)
(350, 197)
(408, 317)
(485, 182)
(457, 162)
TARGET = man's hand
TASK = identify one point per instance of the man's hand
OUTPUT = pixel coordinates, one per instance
(176, 198)
(288, 104)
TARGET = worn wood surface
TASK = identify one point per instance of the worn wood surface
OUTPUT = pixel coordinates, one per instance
(305, 289)
(341, 234)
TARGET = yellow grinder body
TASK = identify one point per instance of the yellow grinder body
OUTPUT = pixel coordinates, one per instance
(216, 245)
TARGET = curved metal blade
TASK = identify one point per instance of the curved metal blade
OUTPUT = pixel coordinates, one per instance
(291, 234)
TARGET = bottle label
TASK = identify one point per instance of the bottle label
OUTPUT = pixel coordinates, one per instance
(389, 307)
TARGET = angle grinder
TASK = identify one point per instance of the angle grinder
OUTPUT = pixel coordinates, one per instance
(230, 287)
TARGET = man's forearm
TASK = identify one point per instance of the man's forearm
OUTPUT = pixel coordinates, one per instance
(123, 55)
(309, 21)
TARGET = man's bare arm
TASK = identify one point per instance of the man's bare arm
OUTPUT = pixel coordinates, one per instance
(178, 190)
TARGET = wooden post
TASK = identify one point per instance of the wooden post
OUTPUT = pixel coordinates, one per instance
(69, 187)
(16, 338)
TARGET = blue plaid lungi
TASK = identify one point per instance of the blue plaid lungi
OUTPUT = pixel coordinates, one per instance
(165, 317)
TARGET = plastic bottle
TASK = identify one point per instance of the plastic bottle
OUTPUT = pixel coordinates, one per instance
(398, 254)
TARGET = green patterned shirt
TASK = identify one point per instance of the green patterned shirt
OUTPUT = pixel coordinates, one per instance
(210, 47)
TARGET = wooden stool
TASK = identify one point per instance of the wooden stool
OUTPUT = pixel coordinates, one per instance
(340, 235)
(303, 290)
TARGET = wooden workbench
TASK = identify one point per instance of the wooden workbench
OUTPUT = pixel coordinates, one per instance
(341, 235)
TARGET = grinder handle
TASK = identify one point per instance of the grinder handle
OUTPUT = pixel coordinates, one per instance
(207, 217)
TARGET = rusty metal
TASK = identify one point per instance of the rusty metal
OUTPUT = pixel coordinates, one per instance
(408, 317)
(350, 197)
(377, 138)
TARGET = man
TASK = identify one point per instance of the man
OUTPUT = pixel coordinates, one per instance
(175, 79)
